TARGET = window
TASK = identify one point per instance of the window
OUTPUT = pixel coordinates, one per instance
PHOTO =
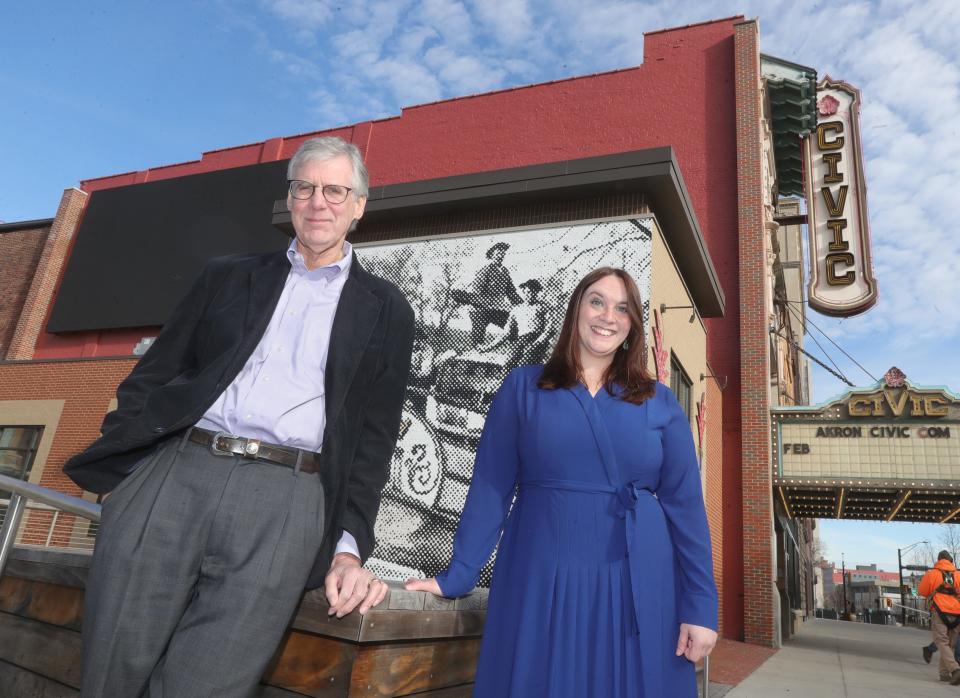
(18, 446)
(681, 385)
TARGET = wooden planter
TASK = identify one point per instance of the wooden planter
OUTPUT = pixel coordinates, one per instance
(411, 644)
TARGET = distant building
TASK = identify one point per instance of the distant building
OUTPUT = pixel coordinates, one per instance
(867, 586)
(829, 582)
(873, 593)
(818, 598)
(866, 574)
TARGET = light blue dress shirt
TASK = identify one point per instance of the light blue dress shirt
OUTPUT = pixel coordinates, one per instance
(278, 396)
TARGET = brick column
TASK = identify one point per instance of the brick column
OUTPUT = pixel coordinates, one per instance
(47, 275)
(757, 495)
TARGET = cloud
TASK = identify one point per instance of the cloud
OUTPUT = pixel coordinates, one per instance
(461, 73)
(361, 48)
(414, 39)
(509, 20)
(409, 81)
(331, 110)
(934, 20)
(402, 53)
(450, 18)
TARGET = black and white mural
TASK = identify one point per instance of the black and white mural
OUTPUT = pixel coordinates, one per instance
(484, 304)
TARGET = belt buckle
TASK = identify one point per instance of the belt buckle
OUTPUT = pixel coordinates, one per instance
(215, 449)
(251, 449)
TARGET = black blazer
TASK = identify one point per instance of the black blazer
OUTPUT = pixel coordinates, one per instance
(207, 341)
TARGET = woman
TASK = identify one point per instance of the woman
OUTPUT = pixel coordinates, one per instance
(603, 584)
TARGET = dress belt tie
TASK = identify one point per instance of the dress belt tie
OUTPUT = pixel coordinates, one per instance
(628, 497)
(639, 553)
(571, 486)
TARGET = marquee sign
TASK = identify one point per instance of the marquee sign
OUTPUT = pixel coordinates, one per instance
(841, 274)
(884, 452)
(924, 452)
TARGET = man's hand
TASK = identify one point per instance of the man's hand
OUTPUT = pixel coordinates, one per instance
(349, 585)
(429, 584)
(695, 641)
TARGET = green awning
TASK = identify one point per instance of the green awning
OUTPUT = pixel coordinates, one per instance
(792, 91)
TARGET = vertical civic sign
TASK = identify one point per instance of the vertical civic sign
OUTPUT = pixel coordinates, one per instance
(841, 274)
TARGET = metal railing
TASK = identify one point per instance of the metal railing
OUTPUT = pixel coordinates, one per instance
(23, 492)
(705, 678)
(922, 616)
(58, 529)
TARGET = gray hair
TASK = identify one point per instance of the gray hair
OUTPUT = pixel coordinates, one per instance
(327, 148)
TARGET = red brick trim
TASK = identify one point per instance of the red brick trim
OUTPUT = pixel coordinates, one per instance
(47, 275)
(757, 497)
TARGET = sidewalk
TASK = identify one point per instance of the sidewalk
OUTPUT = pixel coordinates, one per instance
(830, 658)
(731, 662)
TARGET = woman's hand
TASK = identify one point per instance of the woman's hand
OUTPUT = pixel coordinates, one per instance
(695, 641)
(429, 584)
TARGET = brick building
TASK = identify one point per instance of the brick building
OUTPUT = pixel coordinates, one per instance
(703, 137)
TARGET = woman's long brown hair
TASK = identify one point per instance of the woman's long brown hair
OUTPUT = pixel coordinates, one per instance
(628, 370)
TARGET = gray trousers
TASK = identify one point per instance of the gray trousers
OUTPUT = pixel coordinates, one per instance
(198, 568)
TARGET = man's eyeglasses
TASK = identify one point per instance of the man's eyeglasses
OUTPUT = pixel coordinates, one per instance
(333, 193)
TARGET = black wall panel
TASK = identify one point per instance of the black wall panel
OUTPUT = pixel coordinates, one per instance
(139, 247)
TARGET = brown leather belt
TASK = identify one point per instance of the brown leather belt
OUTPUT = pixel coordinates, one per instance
(223, 444)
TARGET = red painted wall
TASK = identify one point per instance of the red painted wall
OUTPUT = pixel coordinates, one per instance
(682, 96)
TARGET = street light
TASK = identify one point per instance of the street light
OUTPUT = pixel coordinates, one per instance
(903, 597)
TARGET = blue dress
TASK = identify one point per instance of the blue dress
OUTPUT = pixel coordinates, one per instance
(603, 554)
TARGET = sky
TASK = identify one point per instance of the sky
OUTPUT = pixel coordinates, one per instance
(99, 88)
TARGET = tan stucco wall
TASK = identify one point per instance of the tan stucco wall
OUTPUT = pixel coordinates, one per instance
(687, 340)
(34, 413)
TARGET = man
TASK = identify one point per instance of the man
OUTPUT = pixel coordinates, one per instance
(929, 650)
(255, 434)
(492, 288)
(939, 586)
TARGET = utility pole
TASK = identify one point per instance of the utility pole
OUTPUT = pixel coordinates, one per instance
(903, 597)
(843, 573)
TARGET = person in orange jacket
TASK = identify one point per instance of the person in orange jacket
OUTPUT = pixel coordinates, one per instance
(939, 586)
